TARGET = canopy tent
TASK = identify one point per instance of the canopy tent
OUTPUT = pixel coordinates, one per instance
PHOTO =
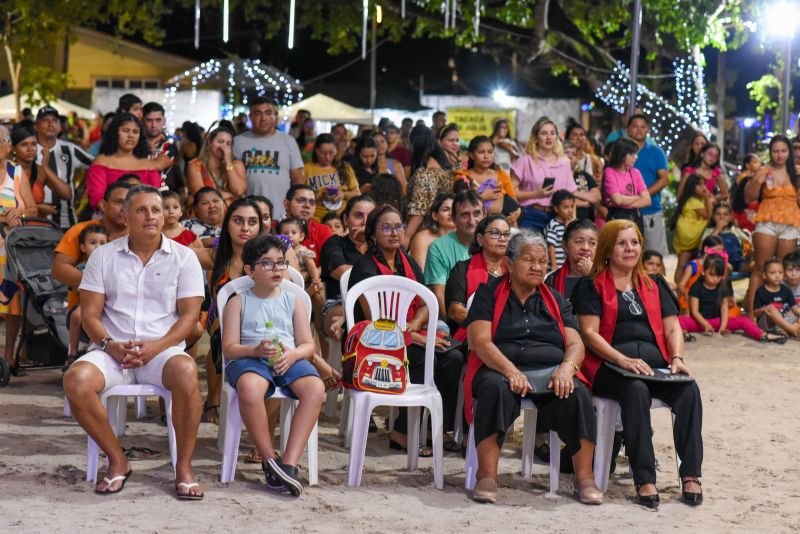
(8, 108)
(325, 108)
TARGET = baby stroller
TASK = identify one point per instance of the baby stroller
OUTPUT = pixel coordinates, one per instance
(30, 249)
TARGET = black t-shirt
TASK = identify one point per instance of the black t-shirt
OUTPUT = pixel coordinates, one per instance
(336, 251)
(455, 291)
(783, 299)
(585, 182)
(633, 336)
(365, 268)
(529, 336)
(710, 299)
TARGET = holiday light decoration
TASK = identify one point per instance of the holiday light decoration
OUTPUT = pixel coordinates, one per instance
(238, 79)
(667, 121)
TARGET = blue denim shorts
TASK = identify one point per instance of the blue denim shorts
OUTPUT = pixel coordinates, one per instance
(236, 368)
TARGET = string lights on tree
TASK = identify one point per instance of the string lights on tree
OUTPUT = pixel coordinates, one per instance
(238, 79)
(667, 121)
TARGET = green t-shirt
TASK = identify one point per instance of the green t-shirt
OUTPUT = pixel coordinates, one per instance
(442, 256)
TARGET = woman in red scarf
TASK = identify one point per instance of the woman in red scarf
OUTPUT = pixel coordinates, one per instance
(580, 243)
(487, 263)
(539, 337)
(385, 256)
(630, 320)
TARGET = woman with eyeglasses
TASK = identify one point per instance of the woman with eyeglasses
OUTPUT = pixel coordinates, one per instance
(629, 324)
(488, 250)
(525, 344)
(385, 256)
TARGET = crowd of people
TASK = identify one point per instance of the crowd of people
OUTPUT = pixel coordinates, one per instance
(561, 240)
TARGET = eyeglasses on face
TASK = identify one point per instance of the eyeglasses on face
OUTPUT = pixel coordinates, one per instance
(498, 235)
(387, 229)
(303, 201)
(272, 265)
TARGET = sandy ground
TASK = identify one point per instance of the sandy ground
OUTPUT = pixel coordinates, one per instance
(751, 469)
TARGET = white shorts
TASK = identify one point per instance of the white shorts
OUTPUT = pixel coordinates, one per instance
(115, 375)
(781, 231)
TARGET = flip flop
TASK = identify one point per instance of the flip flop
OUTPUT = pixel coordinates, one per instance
(253, 457)
(108, 481)
(188, 496)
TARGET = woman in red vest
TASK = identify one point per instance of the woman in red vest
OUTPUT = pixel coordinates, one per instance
(580, 243)
(385, 255)
(630, 320)
(487, 263)
(539, 340)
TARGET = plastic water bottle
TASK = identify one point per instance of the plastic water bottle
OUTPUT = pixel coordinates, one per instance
(271, 333)
(770, 181)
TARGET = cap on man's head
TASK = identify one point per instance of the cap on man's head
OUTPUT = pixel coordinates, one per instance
(45, 111)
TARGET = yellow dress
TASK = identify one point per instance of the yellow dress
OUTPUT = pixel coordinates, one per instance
(690, 226)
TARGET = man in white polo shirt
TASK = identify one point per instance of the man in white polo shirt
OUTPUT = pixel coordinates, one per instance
(140, 299)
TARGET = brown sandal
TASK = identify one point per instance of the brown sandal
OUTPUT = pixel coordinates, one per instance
(253, 457)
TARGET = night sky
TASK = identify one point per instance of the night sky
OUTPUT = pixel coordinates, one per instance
(399, 66)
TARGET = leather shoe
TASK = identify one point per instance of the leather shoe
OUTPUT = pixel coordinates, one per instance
(587, 491)
(689, 497)
(485, 491)
(648, 501)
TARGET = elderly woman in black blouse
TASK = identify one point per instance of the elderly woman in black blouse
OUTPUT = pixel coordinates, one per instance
(539, 337)
(630, 320)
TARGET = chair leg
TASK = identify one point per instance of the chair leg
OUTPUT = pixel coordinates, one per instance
(423, 437)
(412, 438)
(458, 423)
(92, 457)
(335, 361)
(67, 410)
(313, 456)
(287, 411)
(232, 434)
(358, 446)
(224, 410)
(345, 418)
(555, 461)
(141, 407)
(470, 461)
(528, 440)
(437, 427)
(607, 411)
(173, 446)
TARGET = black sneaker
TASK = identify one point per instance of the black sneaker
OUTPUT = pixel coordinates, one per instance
(273, 483)
(288, 475)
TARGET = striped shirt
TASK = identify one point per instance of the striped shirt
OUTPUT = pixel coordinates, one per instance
(65, 158)
(554, 233)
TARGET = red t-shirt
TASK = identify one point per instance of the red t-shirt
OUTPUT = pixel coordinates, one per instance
(318, 233)
(401, 154)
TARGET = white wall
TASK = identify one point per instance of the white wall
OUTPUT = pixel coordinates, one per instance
(528, 109)
(203, 108)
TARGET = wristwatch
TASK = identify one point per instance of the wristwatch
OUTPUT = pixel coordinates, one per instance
(104, 343)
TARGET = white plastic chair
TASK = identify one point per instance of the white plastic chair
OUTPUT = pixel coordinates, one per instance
(115, 400)
(608, 412)
(296, 277)
(530, 413)
(231, 424)
(389, 297)
(335, 353)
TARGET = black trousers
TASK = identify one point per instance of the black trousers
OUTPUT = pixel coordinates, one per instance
(446, 374)
(634, 397)
(496, 409)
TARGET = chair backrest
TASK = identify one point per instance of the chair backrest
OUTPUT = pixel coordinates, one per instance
(389, 297)
(234, 287)
(296, 277)
(344, 280)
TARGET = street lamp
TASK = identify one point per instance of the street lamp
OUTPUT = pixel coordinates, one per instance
(781, 21)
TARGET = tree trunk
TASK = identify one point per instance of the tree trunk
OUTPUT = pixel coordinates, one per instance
(14, 72)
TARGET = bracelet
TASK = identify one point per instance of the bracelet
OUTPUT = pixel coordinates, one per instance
(681, 358)
(229, 168)
(573, 364)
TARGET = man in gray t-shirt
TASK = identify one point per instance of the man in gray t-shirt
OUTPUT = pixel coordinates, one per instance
(272, 158)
